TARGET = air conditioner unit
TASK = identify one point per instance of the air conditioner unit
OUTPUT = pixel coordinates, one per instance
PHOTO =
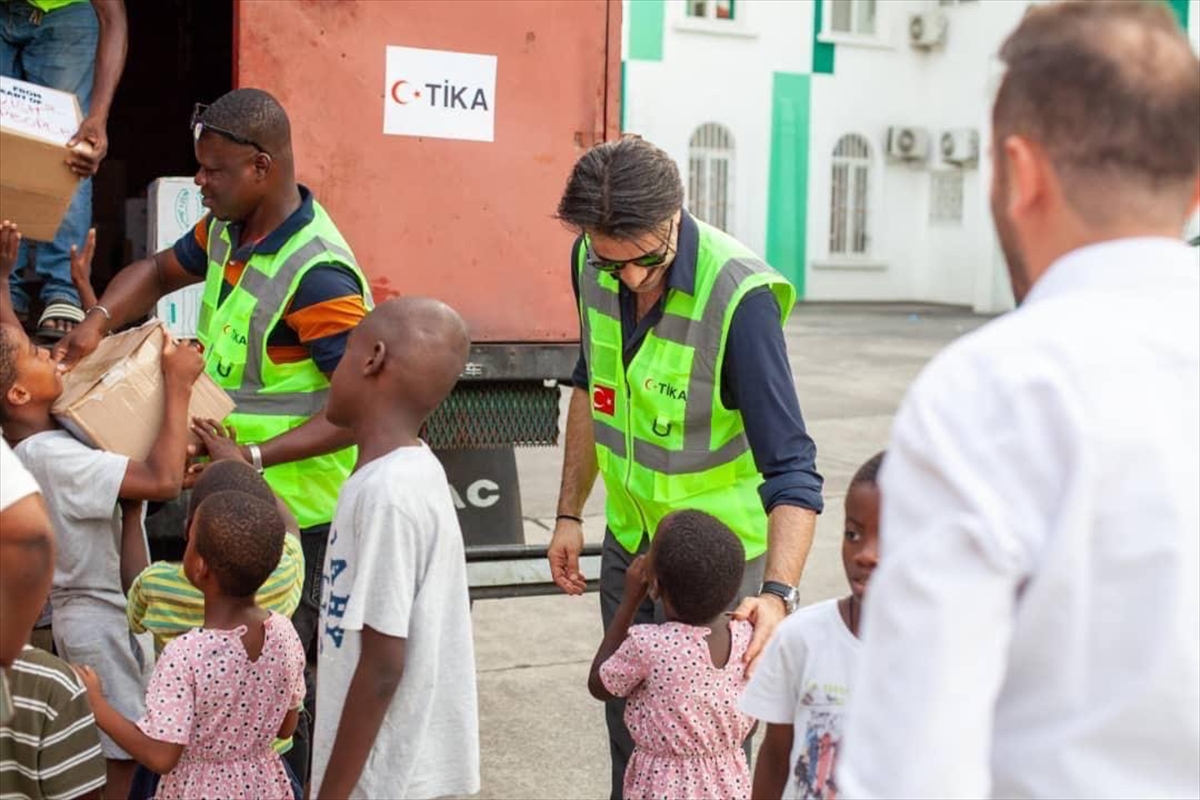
(960, 147)
(927, 30)
(907, 144)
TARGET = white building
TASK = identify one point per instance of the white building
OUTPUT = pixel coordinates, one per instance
(814, 131)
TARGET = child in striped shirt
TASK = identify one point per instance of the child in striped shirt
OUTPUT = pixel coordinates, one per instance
(162, 600)
(51, 745)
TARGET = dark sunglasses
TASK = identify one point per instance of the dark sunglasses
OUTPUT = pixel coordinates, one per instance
(649, 260)
(199, 126)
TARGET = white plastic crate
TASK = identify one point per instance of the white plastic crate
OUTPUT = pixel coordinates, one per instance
(173, 208)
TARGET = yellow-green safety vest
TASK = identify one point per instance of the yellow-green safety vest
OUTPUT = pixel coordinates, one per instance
(664, 440)
(46, 6)
(274, 398)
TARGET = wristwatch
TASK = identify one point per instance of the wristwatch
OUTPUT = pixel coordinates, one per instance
(255, 457)
(788, 594)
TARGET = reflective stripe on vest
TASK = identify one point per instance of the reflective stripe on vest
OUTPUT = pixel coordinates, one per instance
(708, 464)
(235, 332)
(705, 336)
(271, 294)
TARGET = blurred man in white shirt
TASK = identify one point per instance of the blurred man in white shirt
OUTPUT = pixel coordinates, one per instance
(1034, 627)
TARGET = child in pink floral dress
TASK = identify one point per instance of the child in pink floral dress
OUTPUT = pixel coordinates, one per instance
(220, 694)
(682, 679)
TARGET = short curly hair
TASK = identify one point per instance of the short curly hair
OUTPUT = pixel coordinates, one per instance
(869, 471)
(229, 476)
(254, 115)
(240, 538)
(699, 563)
(10, 350)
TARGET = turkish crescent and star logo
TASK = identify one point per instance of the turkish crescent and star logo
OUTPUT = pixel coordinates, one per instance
(439, 94)
(604, 400)
(446, 94)
(400, 89)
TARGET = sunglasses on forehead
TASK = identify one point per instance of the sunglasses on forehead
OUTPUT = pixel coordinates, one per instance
(651, 260)
(199, 126)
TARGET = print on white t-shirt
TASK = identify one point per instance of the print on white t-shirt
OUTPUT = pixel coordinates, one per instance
(804, 681)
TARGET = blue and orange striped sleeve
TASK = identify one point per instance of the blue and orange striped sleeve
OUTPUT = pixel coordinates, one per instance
(327, 305)
(192, 248)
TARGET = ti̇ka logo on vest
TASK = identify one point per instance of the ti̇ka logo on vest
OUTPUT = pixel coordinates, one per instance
(225, 369)
(665, 389)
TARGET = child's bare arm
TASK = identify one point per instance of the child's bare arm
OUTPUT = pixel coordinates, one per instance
(771, 771)
(81, 270)
(160, 476)
(287, 728)
(636, 585)
(10, 240)
(134, 556)
(380, 668)
(155, 755)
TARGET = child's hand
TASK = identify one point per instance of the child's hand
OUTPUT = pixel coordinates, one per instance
(10, 240)
(181, 363)
(220, 443)
(90, 679)
(637, 580)
(194, 470)
(81, 269)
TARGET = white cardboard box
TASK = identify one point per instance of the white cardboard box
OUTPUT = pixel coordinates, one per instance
(173, 207)
(36, 186)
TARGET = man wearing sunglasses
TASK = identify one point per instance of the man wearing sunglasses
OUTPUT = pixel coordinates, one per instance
(282, 294)
(683, 393)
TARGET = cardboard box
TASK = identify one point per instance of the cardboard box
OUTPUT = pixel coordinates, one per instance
(36, 186)
(173, 207)
(114, 398)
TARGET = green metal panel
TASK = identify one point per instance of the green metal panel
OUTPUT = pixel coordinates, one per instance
(822, 51)
(624, 84)
(646, 29)
(1180, 9)
(787, 211)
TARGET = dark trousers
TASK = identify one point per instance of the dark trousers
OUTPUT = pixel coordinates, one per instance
(307, 622)
(614, 561)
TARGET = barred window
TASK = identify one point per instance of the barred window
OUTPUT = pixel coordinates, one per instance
(710, 9)
(853, 17)
(849, 207)
(946, 197)
(710, 175)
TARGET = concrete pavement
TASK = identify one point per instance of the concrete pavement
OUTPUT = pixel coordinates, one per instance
(542, 735)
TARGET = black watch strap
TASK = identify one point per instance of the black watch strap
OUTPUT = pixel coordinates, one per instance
(781, 590)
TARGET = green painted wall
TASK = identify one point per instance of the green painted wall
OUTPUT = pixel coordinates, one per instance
(787, 203)
(1180, 7)
(646, 29)
(623, 85)
(822, 51)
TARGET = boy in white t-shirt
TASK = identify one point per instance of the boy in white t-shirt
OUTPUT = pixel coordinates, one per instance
(396, 702)
(803, 681)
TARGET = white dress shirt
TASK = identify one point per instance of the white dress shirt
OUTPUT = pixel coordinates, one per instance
(1033, 629)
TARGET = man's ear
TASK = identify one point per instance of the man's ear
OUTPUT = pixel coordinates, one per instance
(1030, 176)
(262, 165)
(376, 360)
